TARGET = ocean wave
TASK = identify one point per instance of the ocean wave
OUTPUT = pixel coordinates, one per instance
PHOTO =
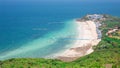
(48, 42)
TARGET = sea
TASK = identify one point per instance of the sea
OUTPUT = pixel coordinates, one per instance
(40, 28)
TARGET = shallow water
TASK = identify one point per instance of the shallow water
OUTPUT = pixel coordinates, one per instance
(38, 28)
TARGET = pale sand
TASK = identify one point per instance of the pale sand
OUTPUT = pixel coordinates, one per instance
(87, 38)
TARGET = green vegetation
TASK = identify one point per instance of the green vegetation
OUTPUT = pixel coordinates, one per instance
(107, 53)
(98, 59)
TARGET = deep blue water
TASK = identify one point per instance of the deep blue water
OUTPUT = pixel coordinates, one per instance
(26, 26)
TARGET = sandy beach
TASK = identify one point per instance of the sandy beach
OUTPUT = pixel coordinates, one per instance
(87, 38)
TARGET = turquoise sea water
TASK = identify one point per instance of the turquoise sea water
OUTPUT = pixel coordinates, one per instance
(40, 28)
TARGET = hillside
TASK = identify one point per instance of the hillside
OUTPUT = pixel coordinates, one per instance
(106, 54)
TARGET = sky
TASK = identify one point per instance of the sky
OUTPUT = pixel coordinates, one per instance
(59, 0)
(3, 2)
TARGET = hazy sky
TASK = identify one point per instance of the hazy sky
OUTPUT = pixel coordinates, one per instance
(57, 2)
(60, 0)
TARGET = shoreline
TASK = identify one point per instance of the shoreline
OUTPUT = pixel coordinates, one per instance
(89, 35)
